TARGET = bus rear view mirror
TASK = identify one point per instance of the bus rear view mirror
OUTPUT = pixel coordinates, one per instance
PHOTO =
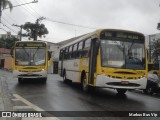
(49, 55)
(11, 53)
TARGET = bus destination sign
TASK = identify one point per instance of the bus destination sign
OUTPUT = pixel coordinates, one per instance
(121, 35)
(31, 44)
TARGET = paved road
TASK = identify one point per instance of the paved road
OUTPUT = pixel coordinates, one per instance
(57, 96)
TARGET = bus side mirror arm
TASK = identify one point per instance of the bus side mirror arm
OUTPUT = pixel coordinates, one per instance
(11, 53)
(49, 55)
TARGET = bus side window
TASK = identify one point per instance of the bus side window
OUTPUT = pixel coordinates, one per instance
(49, 55)
(80, 47)
(70, 52)
(75, 51)
(86, 49)
(66, 53)
(60, 55)
(11, 52)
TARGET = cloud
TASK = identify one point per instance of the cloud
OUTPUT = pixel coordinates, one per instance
(135, 15)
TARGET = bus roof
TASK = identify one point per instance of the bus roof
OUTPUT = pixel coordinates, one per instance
(97, 33)
(31, 41)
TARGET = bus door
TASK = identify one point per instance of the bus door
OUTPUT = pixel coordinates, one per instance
(93, 60)
(55, 67)
(62, 54)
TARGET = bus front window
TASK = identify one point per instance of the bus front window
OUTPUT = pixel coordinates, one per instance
(30, 56)
(126, 54)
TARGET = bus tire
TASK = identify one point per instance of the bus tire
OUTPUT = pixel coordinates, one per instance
(149, 91)
(121, 91)
(20, 80)
(64, 76)
(44, 80)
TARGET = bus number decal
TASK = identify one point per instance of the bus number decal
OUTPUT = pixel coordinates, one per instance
(85, 63)
(75, 64)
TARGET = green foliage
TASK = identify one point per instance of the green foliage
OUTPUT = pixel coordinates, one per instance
(156, 50)
(8, 42)
(5, 3)
(34, 29)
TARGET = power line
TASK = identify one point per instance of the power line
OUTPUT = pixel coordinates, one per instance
(19, 26)
(48, 19)
(21, 4)
(6, 21)
(31, 8)
(8, 27)
(27, 11)
(3, 29)
(70, 24)
(9, 17)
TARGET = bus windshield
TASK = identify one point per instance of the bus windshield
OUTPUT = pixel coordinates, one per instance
(30, 56)
(126, 54)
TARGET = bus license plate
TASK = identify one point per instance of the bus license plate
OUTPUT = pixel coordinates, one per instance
(29, 73)
(124, 82)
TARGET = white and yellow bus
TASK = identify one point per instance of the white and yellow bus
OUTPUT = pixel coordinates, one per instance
(30, 60)
(108, 58)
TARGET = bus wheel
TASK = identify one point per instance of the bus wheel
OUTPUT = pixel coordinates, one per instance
(149, 91)
(64, 76)
(121, 91)
(85, 87)
(20, 80)
(44, 80)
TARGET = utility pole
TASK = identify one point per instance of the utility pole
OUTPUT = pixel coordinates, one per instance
(149, 48)
(20, 26)
(0, 11)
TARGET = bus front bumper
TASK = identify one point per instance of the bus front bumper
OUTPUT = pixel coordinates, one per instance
(18, 74)
(104, 81)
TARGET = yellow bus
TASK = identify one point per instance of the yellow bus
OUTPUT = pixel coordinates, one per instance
(30, 60)
(107, 58)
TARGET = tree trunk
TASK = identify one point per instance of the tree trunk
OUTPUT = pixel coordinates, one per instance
(0, 11)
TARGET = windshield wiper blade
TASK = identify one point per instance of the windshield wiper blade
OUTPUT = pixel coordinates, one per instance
(26, 51)
(35, 53)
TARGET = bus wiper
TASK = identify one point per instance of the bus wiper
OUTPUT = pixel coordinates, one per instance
(35, 53)
(131, 46)
(26, 51)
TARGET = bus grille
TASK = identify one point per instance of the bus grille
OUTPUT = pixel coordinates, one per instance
(126, 77)
(29, 75)
(30, 70)
(120, 84)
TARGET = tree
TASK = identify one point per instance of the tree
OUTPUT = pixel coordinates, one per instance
(3, 5)
(8, 42)
(156, 50)
(34, 30)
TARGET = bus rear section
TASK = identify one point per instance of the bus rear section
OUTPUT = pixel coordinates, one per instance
(30, 60)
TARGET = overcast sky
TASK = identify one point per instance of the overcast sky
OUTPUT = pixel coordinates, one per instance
(135, 15)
